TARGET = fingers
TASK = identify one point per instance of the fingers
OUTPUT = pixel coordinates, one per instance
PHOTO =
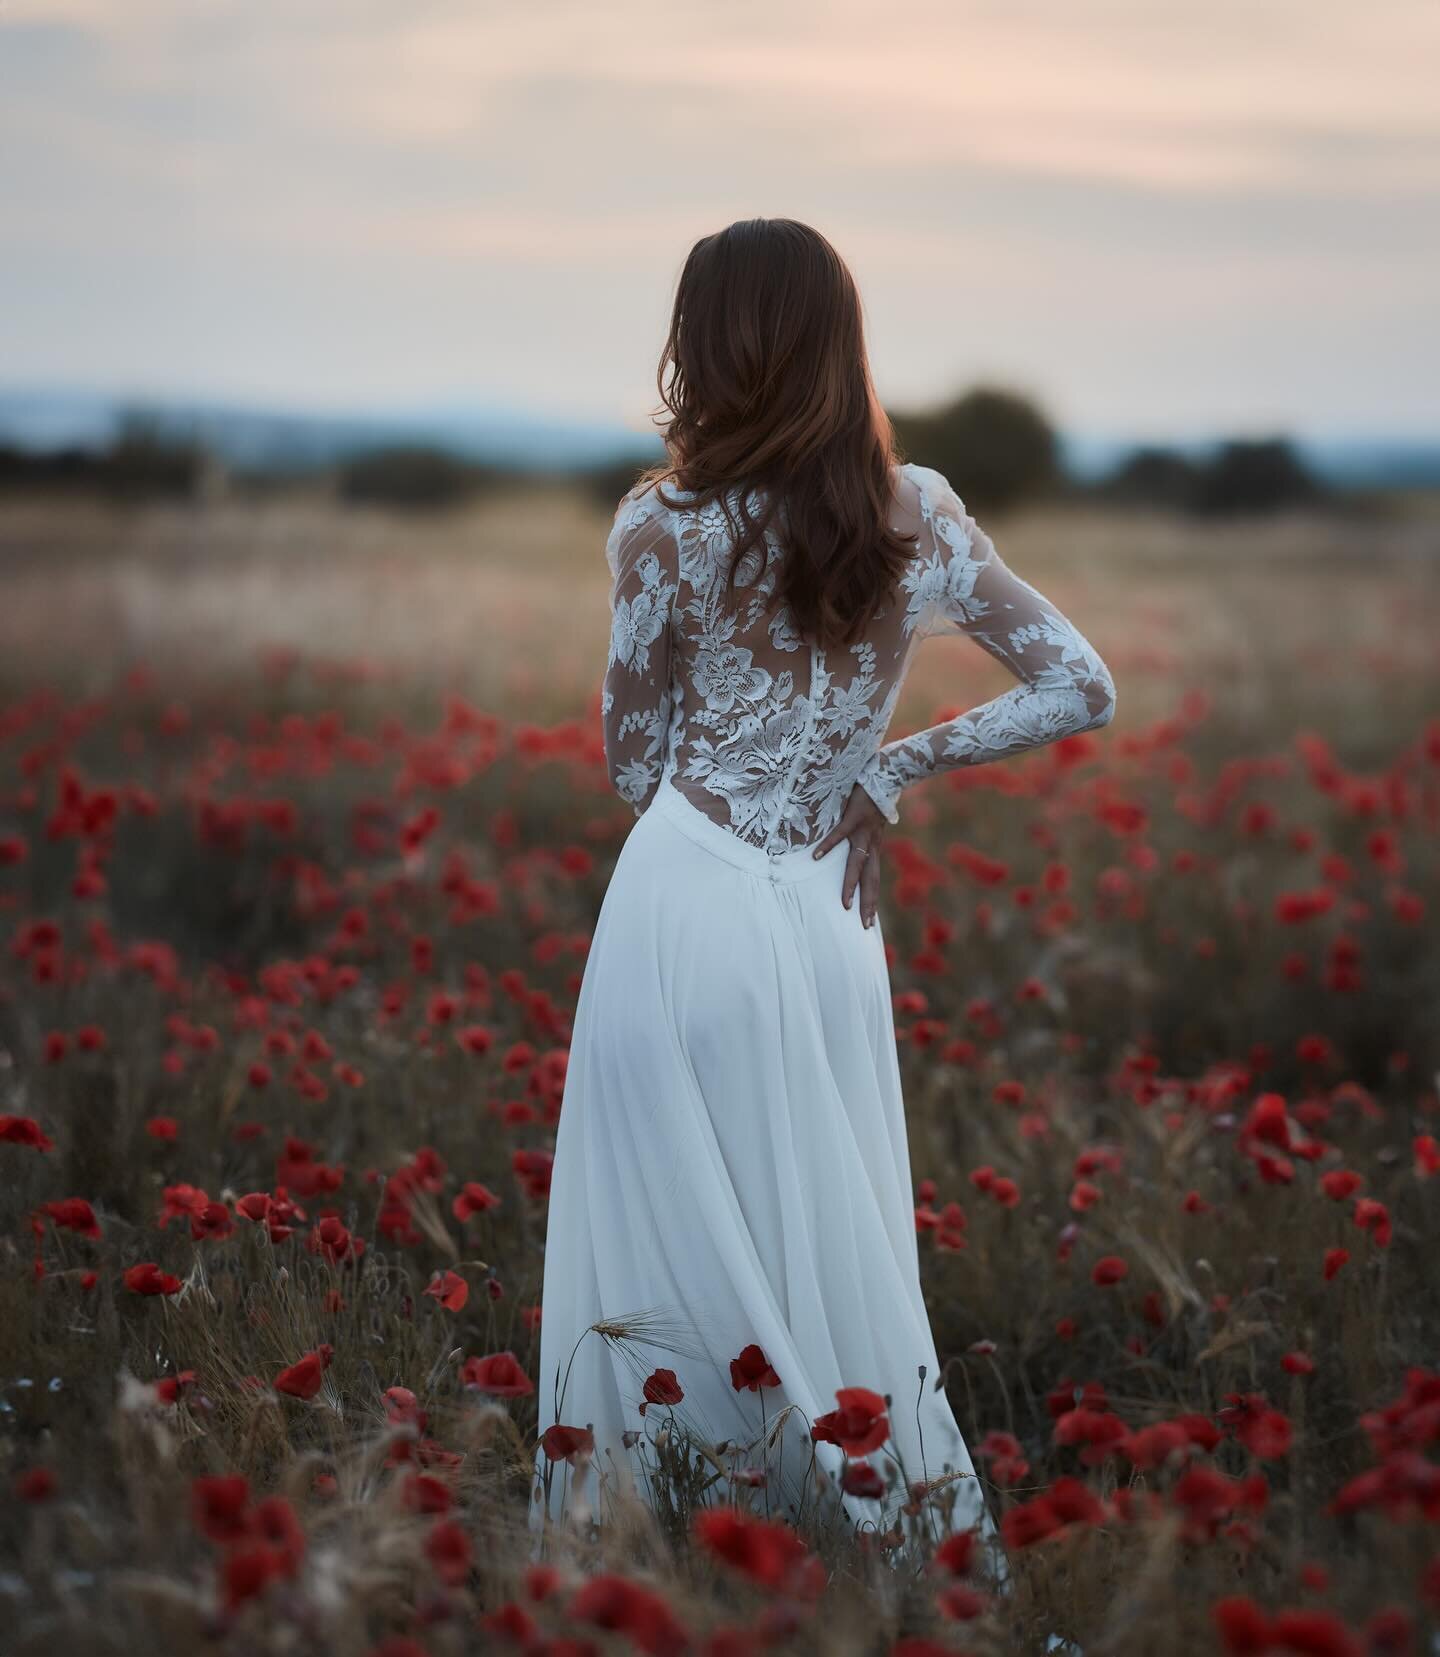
(840, 832)
(835, 836)
(853, 865)
(870, 887)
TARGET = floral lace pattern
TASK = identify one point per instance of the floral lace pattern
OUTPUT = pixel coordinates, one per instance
(765, 733)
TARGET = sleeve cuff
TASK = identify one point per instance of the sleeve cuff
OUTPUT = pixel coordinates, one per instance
(885, 797)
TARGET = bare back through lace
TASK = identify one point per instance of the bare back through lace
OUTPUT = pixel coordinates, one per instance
(767, 734)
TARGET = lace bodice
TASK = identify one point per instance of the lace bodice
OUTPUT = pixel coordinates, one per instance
(766, 733)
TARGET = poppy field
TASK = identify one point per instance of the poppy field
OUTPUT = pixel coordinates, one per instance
(304, 826)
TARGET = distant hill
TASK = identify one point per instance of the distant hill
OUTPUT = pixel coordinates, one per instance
(281, 441)
(45, 420)
(1344, 462)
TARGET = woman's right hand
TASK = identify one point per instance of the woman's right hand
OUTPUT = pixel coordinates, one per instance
(863, 824)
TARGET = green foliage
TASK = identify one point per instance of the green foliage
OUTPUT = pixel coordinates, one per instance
(411, 477)
(996, 447)
(145, 461)
(608, 482)
(1242, 477)
(1263, 476)
(1153, 477)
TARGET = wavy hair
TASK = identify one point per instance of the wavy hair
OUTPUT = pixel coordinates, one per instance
(769, 393)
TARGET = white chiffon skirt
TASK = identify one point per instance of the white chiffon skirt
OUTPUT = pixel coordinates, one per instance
(731, 1169)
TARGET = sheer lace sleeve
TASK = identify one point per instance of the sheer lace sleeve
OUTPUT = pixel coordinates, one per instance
(635, 702)
(959, 580)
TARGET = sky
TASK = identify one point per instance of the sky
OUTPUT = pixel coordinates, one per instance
(1158, 217)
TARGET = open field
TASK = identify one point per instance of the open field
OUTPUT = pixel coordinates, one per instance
(303, 830)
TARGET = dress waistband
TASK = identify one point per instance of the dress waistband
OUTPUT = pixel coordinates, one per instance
(799, 863)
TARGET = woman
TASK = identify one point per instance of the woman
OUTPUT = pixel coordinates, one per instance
(731, 1235)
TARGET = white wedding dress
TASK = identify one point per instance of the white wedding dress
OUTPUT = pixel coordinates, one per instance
(731, 1166)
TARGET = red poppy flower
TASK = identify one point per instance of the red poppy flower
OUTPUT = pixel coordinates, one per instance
(1206, 1497)
(501, 1375)
(424, 1493)
(565, 1443)
(642, 1615)
(1340, 1183)
(541, 1581)
(211, 1220)
(1264, 1431)
(1242, 1625)
(331, 1239)
(1007, 1461)
(858, 1426)
(248, 1571)
(304, 1379)
(516, 1626)
(1373, 1217)
(24, 1130)
(961, 1603)
(35, 1484)
(451, 1290)
(170, 1388)
(74, 1214)
(220, 1507)
(1427, 1155)
(274, 1520)
(956, 1554)
(473, 1199)
(402, 1408)
(766, 1551)
(447, 1547)
(860, 1478)
(663, 1388)
(1201, 1429)
(1153, 1446)
(1109, 1269)
(1101, 1433)
(533, 1169)
(1083, 1195)
(148, 1279)
(752, 1370)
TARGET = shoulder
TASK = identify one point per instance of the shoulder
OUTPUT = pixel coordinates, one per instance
(935, 490)
(643, 501)
(948, 529)
(642, 523)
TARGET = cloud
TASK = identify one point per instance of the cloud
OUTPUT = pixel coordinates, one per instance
(1052, 167)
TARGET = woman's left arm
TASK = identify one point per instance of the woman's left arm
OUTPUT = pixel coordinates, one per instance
(1064, 686)
(635, 701)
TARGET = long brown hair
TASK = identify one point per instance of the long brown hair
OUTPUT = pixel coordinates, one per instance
(770, 390)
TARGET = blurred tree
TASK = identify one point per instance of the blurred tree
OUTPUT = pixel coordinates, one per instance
(1254, 476)
(996, 447)
(145, 460)
(148, 459)
(59, 470)
(1153, 477)
(412, 477)
(609, 481)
